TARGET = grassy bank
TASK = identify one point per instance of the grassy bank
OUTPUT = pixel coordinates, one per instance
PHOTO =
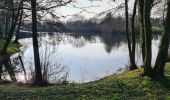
(13, 47)
(128, 85)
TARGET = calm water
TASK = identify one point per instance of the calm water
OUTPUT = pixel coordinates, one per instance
(78, 58)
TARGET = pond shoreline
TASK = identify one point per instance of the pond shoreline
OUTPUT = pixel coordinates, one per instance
(13, 47)
(126, 85)
(123, 85)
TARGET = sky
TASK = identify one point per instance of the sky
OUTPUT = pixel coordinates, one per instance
(92, 7)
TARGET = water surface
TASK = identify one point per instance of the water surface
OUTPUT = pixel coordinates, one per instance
(80, 57)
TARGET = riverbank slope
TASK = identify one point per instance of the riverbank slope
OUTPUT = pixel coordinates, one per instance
(127, 85)
(12, 49)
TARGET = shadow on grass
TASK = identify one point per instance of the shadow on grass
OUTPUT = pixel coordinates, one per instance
(165, 82)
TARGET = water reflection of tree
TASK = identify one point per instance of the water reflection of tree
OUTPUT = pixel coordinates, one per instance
(112, 41)
(79, 40)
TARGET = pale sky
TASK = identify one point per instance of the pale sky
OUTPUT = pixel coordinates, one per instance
(97, 6)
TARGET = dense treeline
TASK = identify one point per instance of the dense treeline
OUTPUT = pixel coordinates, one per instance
(107, 24)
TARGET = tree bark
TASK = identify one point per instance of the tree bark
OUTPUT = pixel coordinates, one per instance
(133, 64)
(148, 37)
(0, 71)
(22, 65)
(131, 57)
(6, 27)
(38, 74)
(163, 49)
(141, 20)
(19, 25)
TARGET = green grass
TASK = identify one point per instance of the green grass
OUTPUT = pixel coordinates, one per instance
(13, 47)
(125, 86)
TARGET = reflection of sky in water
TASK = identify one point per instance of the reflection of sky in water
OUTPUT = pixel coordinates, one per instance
(92, 59)
(87, 60)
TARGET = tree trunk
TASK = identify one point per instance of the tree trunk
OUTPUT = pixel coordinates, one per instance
(133, 64)
(38, 74)
(141, 19)
(6, 27)
(23, 68)
(148, 37)
(132, 59)
(19, 25)
(0, 71)
(13, 12)
(163, 49)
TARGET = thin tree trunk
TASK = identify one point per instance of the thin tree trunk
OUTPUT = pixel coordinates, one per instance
(163, 13)
(0, 71)
(19, 25)
(163, 49)
(22, 65)
(141, 19)
(132, 60)
(6, 27)
(38, 74)
(13, 12)
(127, 28)
(133, 65)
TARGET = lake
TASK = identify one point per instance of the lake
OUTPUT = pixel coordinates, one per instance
(77, 57)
